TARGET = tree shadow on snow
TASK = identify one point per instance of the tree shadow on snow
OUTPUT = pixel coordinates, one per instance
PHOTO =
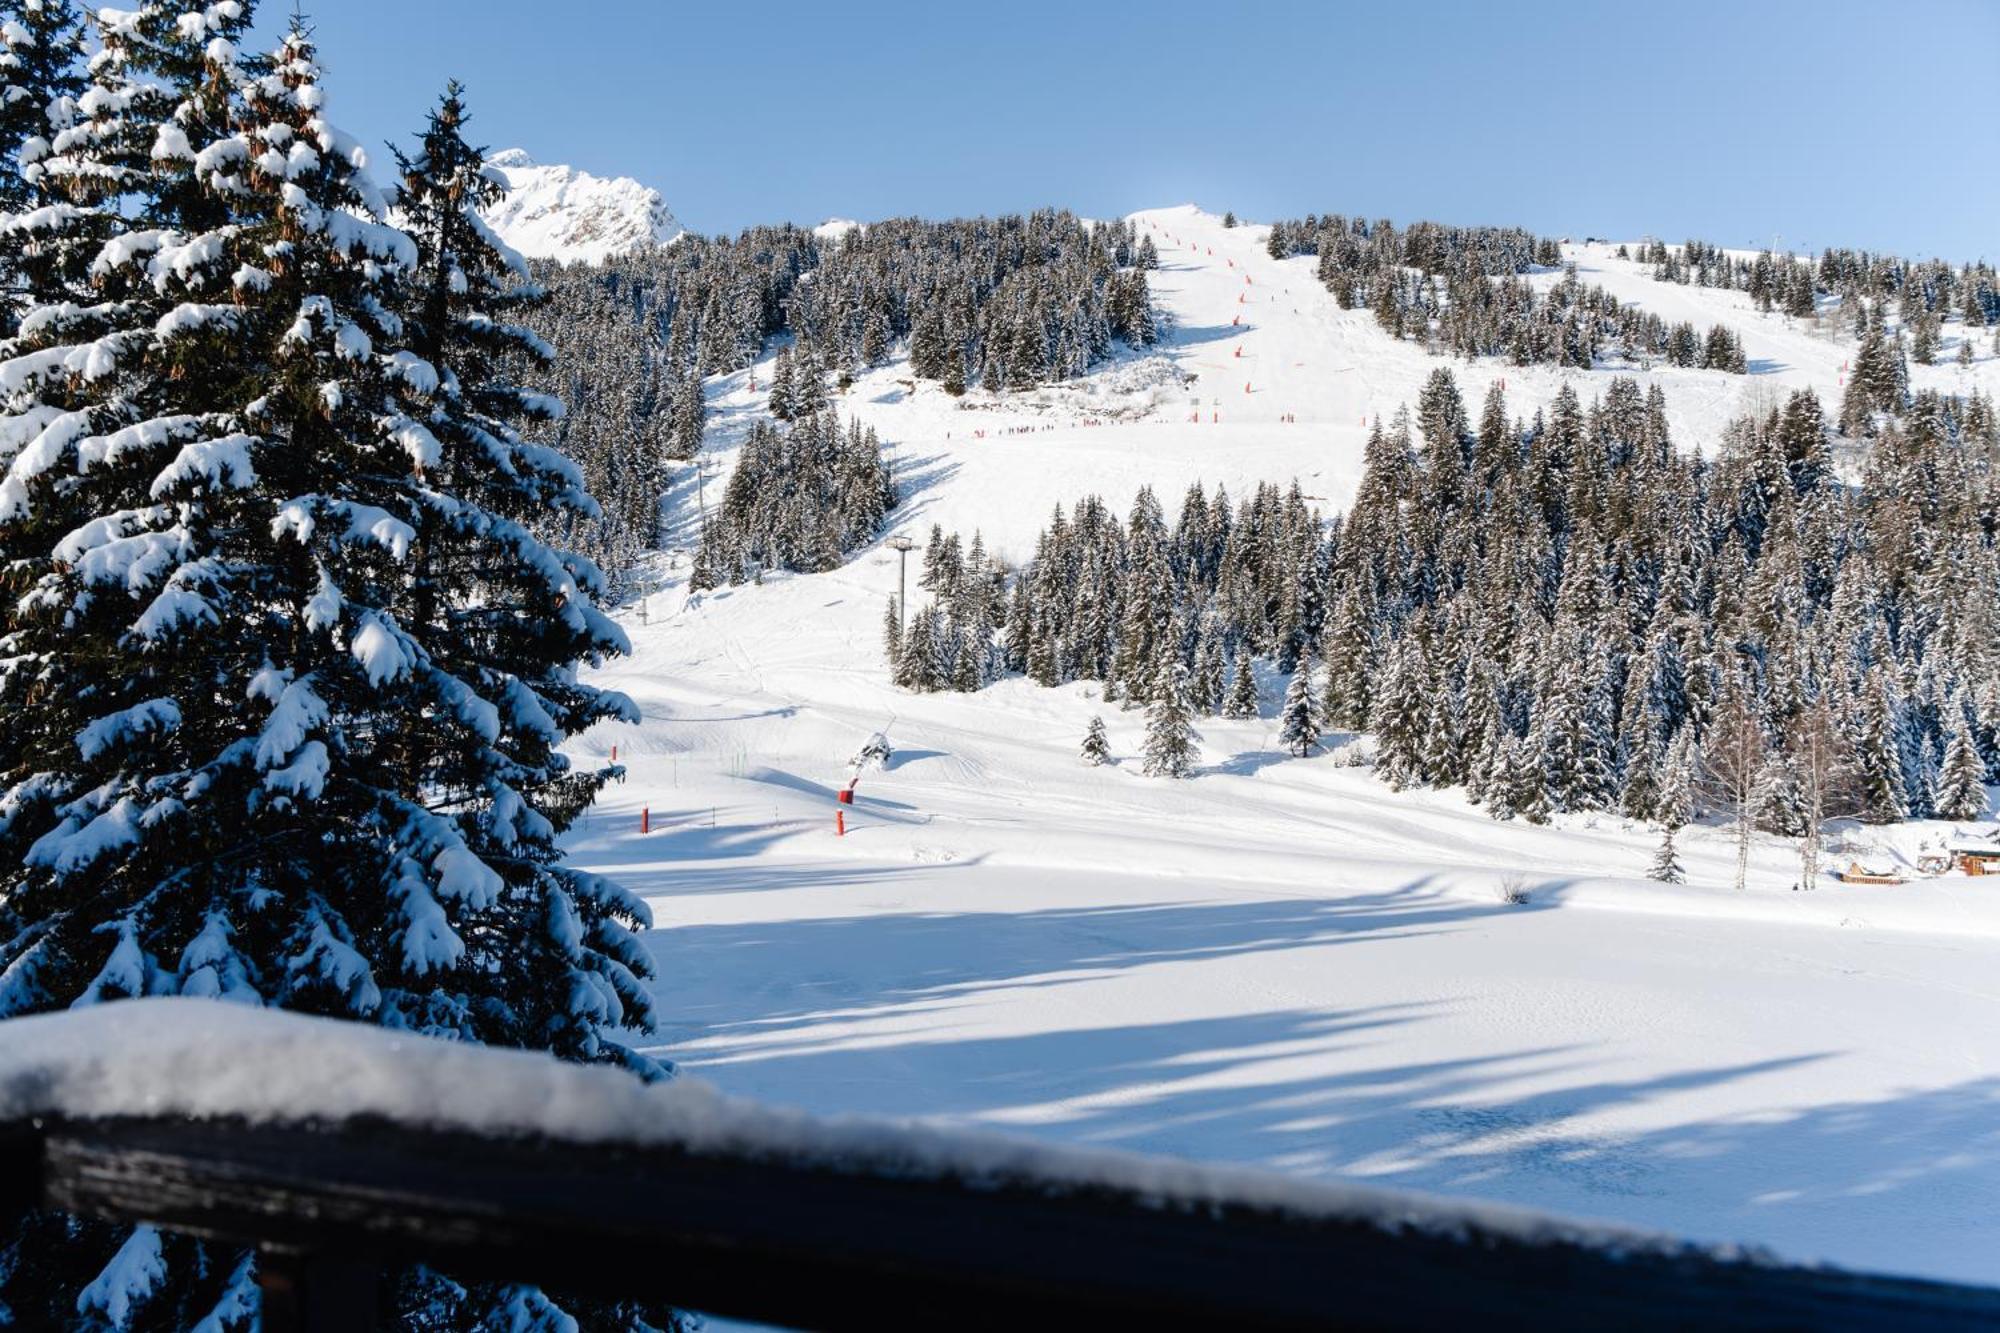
(871, 1006)
(1194, 335)
(916, 478)
(915, 958)
(1249, 762)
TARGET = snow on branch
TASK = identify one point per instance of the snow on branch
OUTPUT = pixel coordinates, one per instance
(115, 730)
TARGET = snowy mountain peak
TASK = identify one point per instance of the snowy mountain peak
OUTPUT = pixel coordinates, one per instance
(559, 212)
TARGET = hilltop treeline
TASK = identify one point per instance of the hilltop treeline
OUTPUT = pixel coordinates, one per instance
(1932, 305)
(1463, 290)
(1925, 293)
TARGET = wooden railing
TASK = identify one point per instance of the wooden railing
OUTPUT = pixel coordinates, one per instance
(758, 1236)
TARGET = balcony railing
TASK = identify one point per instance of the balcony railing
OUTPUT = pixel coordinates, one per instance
(768, 1216)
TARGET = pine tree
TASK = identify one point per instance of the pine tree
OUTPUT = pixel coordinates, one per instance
(1206, 687)
(1780, 806)
(1096, 748)
(40, 82)
(779, 400)
(689, 419)
(1924, 340)
(1962, 784)
(1170, 735)
(310, 669)
(1666, 866)
(1673, 803)
(1878, 756)
(973, 647)
(1242, 702)
(1400, 716)
(923, 666)
(892, 634)
(1520, 788)
(1299, 718)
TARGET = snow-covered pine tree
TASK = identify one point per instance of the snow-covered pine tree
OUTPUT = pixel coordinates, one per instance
(39, 83)
(922, 666)
(1206, 685)
(1170, 733)
(779, 400)
(1780, 806)
(1673, 801)
(1096, 746)
(299, 667)
(689, 417)
(892, 634)
(1299, 725)
(1962, 782)
(40, 80)
(1400, 715)
(1242, 701)
(1878, 756)
(1666, 866)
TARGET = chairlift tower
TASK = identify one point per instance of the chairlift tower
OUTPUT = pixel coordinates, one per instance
(902, 546)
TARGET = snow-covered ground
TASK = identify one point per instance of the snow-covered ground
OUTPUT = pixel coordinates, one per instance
(1280, 962)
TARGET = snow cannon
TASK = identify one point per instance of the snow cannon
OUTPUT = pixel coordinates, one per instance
(874, 754)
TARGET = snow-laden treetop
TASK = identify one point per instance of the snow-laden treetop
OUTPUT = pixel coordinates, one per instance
(558, 212)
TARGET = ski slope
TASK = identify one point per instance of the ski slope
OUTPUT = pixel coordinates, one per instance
(1281, 962)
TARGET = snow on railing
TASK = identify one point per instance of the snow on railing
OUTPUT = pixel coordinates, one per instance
(345, 1151)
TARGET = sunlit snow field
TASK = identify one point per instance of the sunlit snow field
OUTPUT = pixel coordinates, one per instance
(1281, 962)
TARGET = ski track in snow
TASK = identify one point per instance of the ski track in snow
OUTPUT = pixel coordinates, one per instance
(1282, 962)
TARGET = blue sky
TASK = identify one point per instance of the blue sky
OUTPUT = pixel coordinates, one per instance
(1814, 123)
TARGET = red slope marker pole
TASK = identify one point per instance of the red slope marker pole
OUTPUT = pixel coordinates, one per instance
(840, 823)
(645, 819)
